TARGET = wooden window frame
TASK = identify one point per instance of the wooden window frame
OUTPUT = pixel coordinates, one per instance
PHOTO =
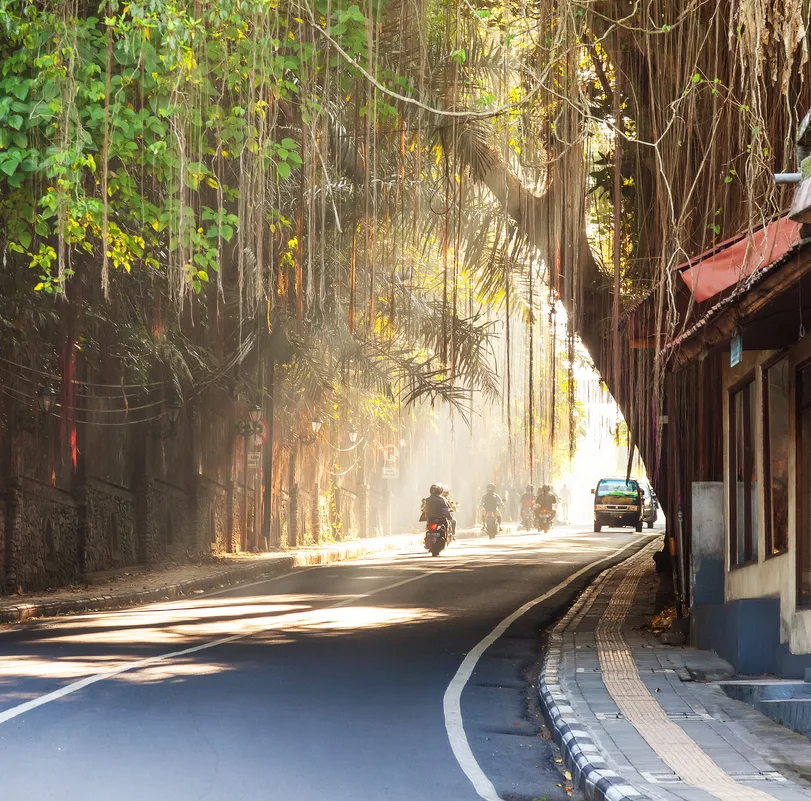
(749, 545)
(802, 603)
(766, 466)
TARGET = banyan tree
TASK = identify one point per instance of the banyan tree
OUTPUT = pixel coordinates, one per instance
(346, 197)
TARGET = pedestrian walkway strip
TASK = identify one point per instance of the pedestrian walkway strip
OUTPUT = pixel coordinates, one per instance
(618, 670)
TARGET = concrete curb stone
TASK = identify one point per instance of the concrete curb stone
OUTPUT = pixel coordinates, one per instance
(581, 754)
(228, 577)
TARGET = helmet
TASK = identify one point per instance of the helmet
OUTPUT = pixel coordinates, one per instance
(445, 489)
(529, 488)
(491, 487)
(436, 489)
(546, 488)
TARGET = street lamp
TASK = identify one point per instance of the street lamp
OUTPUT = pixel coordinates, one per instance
(173, 412)
(253, 424)
(45, 398)
(353, 435)
(164, 426)
(315, 424)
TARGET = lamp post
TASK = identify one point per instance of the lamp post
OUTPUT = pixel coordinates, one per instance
(353, 435)
(164, 426)
(316, 425)
(253, 424)
(173, 411)
(45, 398)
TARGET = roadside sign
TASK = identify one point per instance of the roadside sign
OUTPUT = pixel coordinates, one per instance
(735, 350)
(261, 436)
(391, 462)
(254, 460)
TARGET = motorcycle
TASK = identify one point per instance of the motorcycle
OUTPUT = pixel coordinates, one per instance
(491, 524)
(544, 517)
(527, 517)
(436, 537)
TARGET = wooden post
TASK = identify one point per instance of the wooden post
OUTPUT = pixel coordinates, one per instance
(267, 467)
(292, 519)
(316, 514)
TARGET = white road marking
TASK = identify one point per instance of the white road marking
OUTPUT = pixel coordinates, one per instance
(452, 702)
(75, 686)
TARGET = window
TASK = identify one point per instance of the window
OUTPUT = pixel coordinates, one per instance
(743, 510)
(776, 448)
(804, 484)
(618, 488)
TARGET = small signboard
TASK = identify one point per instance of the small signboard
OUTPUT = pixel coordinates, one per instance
(254, 460)
(391, 462)
(735, 350)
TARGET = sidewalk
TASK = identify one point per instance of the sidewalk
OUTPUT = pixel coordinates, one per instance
(633, 723)
(140, 585)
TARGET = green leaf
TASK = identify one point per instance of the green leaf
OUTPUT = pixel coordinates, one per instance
(283, 168)
(24, 238)
(20, 89)
(15, 121)
(200, 259)
(227, 232)
(282, 153)
(202, 275)
(288, 144)
(697, 78)
(9, 166)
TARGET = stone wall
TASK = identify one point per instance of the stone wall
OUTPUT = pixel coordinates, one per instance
(44, 537)
(211, 515)
(166, 522)
(109, 523)
(3, 513)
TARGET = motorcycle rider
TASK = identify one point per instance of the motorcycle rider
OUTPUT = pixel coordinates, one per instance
(453, 505)
(527, 501)
(491, 502)
(435, 508)
(546, 499)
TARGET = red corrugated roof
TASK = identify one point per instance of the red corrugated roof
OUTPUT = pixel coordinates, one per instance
(734, 260)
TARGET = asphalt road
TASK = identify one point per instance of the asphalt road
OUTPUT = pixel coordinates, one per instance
(323, 685)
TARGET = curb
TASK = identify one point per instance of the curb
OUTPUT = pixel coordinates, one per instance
(581, 754)
(225, 578)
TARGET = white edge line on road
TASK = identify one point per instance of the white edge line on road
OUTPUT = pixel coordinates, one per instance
(452, 702)
(75, 686)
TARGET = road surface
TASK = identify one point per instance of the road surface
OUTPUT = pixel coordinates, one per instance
(335, 683)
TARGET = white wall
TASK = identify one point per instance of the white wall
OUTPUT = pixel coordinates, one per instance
(769, 576)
